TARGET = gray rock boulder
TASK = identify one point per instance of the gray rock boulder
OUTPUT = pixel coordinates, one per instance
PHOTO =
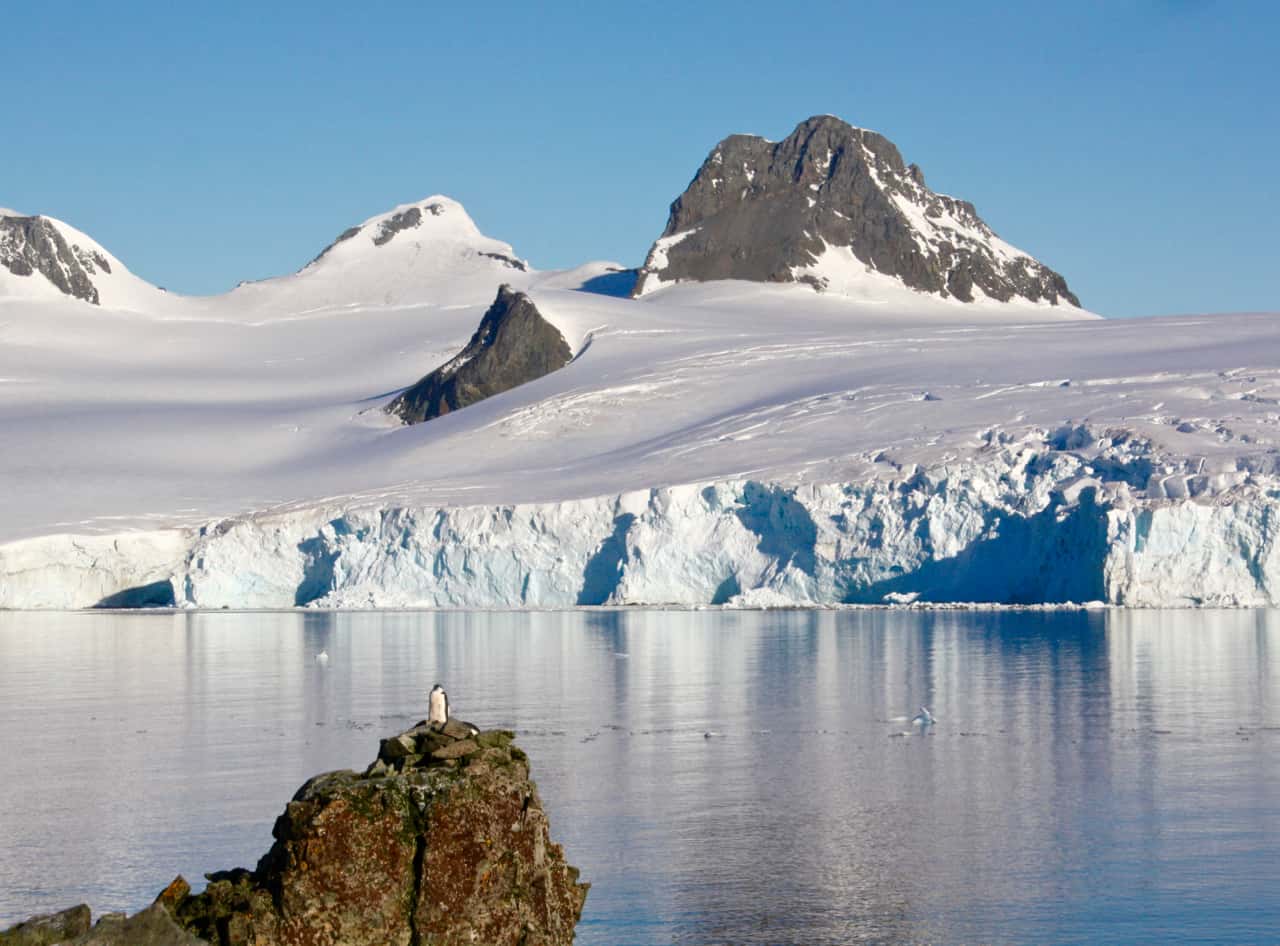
(150, 927)
(513, 345)
(48, 929)
(767, 212)
(153, 926)
(34, 247)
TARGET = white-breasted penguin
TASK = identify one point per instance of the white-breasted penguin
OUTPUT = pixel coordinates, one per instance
(437, 706)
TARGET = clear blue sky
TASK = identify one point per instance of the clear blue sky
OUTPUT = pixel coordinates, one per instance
(1131, 145)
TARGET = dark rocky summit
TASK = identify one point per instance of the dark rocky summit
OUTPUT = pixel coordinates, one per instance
(513, 344)
(31, 245)
(765, 211)
(442, 840)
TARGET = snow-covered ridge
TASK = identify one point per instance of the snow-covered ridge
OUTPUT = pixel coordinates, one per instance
(426, 251)
(438, 220)
(940, 223)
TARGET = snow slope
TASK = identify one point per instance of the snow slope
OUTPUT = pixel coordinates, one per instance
(724, 442)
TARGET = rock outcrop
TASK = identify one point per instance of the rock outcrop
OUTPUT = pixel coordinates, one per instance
(48, 929)
(442, 840)
(153, 926)
(31, 245)
(832, 197)
(514, 344)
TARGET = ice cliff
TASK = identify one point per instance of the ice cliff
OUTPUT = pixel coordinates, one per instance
(1016, 523)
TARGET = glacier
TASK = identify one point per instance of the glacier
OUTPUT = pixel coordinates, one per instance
(709, 444)
(1018, 526)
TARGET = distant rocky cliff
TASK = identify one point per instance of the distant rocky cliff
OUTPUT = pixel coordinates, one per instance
(772, 212)
(514, 344)
(442, 840)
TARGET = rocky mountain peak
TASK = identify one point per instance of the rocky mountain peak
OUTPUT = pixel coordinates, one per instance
(828, 202)
(36, 247)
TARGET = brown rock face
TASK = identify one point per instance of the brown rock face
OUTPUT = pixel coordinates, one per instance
(441, 841)
(419, 850)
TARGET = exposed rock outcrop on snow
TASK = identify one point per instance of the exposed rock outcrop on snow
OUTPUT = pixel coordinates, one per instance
(513, 345)
(825, 206)
(440, 221)
(35, 247)
(1067, 516)
(442, 840)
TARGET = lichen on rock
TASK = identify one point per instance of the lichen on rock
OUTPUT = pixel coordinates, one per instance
(442, 840)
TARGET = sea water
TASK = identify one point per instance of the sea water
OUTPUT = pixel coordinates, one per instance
(719, 777)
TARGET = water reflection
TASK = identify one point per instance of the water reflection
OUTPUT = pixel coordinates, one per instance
(720, 777)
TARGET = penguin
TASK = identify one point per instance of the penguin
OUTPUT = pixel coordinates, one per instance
(437, 706)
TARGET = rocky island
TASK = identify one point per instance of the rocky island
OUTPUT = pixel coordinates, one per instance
(442, 840)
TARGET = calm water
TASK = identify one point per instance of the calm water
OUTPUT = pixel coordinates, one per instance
(1092, 778)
